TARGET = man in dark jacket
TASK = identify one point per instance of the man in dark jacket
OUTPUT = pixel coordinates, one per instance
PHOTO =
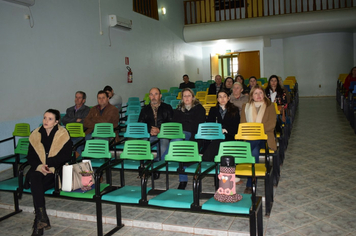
(186, 83)
(216, 87)
(154, 114)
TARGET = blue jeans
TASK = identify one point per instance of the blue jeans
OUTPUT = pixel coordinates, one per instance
(161, 148)
(182, 177)
(255, 150)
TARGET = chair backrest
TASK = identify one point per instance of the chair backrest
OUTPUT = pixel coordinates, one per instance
(103, 130)
(136, 130)
(171, 130)
(201, 95)
(262, 81)
(210, 131)
(22, 146)
(175, 103)
(207, 108)
(131, 99)
(210, 99)
(259, 83)
(168, 99)
(198, 82)
(241, 151)
(96, 148)
(265, 80)
(251, 131)
(132, 118)
(75, 130)
(171, 89)
(137, 150)
(195, 90)
(164, 90)
(133, 109)
(22, 130)
(179, 96)
(183, 151)
(287, 87)
(210, 81)
(133, 103)
(292, 78)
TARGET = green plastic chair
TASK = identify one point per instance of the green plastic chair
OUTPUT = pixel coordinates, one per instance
(168, 99)
(171, 130)
(133, 103)
(103, 130)
(164, 90)
(179, 151)
(75, 130)
(174, 103)
(94, 149)
(171, 89)
(133, 109)
(131, 99)
(22, 130)
(210, 131)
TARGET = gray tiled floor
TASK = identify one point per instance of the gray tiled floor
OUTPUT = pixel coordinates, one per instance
(314, 195)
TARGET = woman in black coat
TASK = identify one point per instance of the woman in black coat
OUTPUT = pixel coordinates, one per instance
(190, 113)
(50, 148)
(227, 114)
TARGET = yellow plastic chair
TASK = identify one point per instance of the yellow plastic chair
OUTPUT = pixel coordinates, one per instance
(210, 99)
(179, 95)
(292, 78)
(207, 108)
(290, 83)
(201, 96)
(252, 132)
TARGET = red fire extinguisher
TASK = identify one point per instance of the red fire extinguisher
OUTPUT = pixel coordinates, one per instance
(129, 74)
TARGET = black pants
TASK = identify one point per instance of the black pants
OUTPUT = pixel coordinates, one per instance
(39, 185)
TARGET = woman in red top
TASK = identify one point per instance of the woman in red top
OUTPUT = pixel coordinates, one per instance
(350, 78)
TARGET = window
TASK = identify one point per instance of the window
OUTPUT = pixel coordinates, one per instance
(146, 7)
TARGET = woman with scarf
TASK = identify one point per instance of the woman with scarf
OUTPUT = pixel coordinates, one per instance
(227, 114)
(190, 113)
(50, 148)
(275, 93)
(259, 109)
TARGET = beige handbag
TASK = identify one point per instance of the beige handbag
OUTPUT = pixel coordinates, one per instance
(72, 179)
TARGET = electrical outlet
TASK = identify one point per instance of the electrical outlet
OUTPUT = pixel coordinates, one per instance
(27, 17)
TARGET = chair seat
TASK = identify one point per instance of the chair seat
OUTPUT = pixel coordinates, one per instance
(126, 194)
(13, 159)
(129, 165)
(120, 146)
(96, 163)
(204, 166)
(245, 169)
(262, 151)
(241, 207)
(173, 198)
(172, 166)
(87, 195)
(13, 184)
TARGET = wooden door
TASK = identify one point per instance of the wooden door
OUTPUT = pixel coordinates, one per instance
(249, 64)
(214, 65)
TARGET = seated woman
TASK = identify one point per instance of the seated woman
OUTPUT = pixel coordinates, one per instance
(227, 114)
(241, 80)
(227, 86)
(237, 97)
(190, 113)
(259, 109)
(350, 78)
(275, 93)
(50, 148)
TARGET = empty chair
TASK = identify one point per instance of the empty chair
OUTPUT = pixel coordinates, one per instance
(133, 99)
(174, 103)
(210, 99)
(168, 99)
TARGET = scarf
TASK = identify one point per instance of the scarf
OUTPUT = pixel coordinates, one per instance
(222, 112)
(255, 111)
(155, 111)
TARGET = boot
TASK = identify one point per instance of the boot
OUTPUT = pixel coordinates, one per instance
(36, 231)
(43, 221)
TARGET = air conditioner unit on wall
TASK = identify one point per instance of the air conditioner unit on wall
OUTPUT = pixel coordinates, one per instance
(115, 21)
(26, 3)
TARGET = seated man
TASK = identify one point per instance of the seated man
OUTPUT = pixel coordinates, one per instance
(186, 83)
(215, 87)
(104, 112)
(154, 114)
(78, 112)
(115, 99)
(252, 81)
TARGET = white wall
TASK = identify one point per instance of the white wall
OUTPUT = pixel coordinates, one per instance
(43, 66)
(318, 59)
(273, 59)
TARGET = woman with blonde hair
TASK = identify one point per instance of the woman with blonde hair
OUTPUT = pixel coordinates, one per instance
(259, 109)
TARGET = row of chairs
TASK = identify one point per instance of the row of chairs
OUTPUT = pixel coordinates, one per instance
(347, 101)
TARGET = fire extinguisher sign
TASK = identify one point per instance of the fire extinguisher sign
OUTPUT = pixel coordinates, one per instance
(127, 62)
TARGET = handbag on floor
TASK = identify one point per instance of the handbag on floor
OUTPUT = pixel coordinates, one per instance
(72, 177)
